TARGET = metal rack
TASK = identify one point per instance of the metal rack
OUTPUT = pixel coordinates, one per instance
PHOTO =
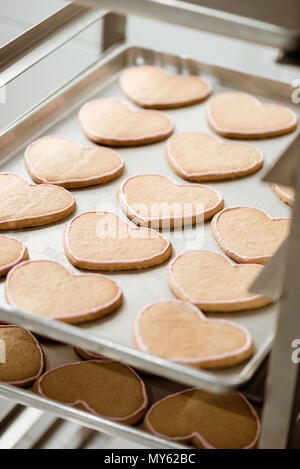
(46, 38)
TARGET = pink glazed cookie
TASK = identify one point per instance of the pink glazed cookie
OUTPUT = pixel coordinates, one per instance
(103, 241)
(201, 157)
(249, 235)
(48, 289)
(21, 356)
(64, 162)
(285, 193)
(241, 115)
(24, 205)
(114, 122)
(153, 87)
(207, 420)
(159, 202)
(12, 252)
(213, 283)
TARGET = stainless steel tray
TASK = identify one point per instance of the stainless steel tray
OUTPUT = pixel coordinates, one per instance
(112, 336)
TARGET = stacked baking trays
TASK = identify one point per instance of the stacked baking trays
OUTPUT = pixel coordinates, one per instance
(112, 336)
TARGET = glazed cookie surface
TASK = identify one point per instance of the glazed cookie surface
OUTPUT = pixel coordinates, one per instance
(12, 252)
(48, 289)
(23, 361)
(241, 115)
(64, 162)
(157, 201)
(114, 122)
(206, 420)
(153, 87)
(25, 205)
(213, 283)
(285, 193)
(105, 388)
(102, 241)
(179, 332)
(202, 157)
(249, 235)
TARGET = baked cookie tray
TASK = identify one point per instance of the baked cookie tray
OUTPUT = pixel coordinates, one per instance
(112, 336)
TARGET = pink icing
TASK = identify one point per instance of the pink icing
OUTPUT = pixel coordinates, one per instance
(84, 403)
(175, 101)
(28, 381)
(216, 173)
(73, 315)
(123, 139)
(67, 232)
(196, 434)
(92, 178)
(223, 242)
(150, 220)
(197, 360)
(249, 132)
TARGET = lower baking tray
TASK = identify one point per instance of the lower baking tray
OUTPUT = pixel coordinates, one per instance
(112, 336)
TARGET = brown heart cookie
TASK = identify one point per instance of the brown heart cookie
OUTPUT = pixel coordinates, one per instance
(285, 193)
(48, 289)
(206, 420)
(153, 87)
(158, 201)
(12, 252)
(87, 355)
(21, 356)
(202, 157)
(105, 388)
(64, 162)
(249, 235)
(241, 115)
(114, 122)
(102, 241)
(178, 331)
(25, 205)
(213, 283)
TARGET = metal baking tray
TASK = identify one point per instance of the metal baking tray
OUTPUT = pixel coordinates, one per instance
(112, 336)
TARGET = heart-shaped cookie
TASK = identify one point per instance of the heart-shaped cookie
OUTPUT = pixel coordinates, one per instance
(207, 420)
(12, 252)
(21, 356)
(179, 332)
(202, 157)
(25, 205)
(241, 115)
(153, 87)
(213, 283)
(114, 122)
(48, 289)
(285, 193)
(102, 241)
(158, 201)
(64, 162)
(249, 235)
(105, 388)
